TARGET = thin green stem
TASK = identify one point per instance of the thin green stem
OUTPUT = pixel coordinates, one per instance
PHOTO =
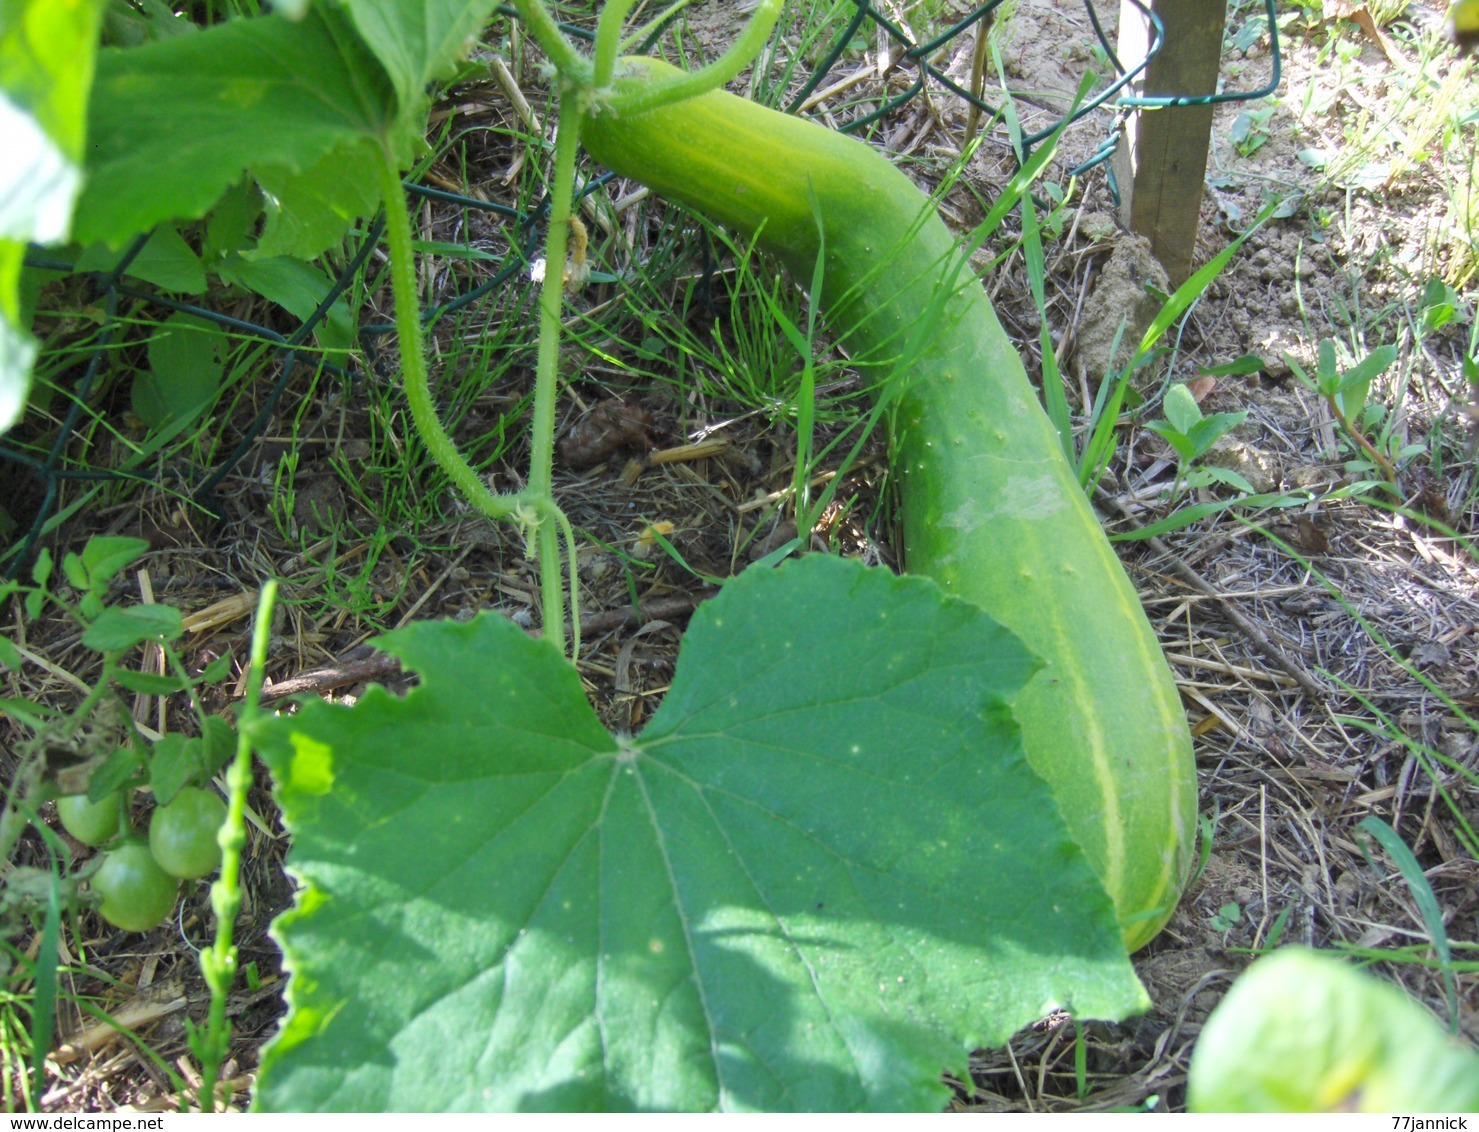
(739, 56)
(83, 711)
(1388, 469)
(551, 299)
(569, 532)
(805, 436)
(646, 30)
(22, 790)
(413, 356)
(218, 964)
(608, 39)
(540, 492)
(806, 396)
(551, 585)
(20, 802)
(534, 507)
(177, 666)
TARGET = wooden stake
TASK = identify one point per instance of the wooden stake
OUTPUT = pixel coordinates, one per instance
(1162, 160)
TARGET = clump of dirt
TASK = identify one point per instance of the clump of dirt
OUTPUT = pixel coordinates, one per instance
(1120, 308)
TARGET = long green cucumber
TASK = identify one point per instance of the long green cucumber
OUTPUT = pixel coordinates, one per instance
(991, 508)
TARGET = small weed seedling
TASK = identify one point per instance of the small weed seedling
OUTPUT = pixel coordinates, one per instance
(1192, 435)
(1250, 130)
(1345, 393)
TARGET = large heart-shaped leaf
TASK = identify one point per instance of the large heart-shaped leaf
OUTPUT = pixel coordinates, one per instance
(820, 877)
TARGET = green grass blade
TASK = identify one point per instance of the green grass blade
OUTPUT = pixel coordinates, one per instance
(1196, 512)
(1427, 904)
(1276, 932)
(1182, 298)
(1080, 1061)
(1429, 758)
(1206, 838)
(43, 1003)
(1105, 414)
(1054, 399)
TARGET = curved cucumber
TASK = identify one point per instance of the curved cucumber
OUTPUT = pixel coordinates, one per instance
(991, 508)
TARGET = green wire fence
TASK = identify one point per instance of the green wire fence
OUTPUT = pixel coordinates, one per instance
(37, 459)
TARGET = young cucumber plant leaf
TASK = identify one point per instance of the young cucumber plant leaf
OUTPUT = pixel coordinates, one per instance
(821, 876)
(165, 260)
(308, 209)
(297, 287)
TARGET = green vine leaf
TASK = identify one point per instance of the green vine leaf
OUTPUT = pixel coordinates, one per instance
(298, 287)
(118, 627)
(187, 364)
(309, 209)
(165, 260)
(307, 105)
(176, 122)
(177, 762)
(419, 42)
(821, 877)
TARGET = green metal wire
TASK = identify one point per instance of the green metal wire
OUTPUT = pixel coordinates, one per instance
(1113, 95)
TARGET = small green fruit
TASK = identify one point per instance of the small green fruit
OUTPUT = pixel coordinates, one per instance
(182, 835)
(137, 894)
(92, 823)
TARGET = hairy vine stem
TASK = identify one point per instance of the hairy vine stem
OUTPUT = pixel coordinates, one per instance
(534, 508)
(608, 39)
(413, 356)
(218, 964)
(546, 381)
(690, 85)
